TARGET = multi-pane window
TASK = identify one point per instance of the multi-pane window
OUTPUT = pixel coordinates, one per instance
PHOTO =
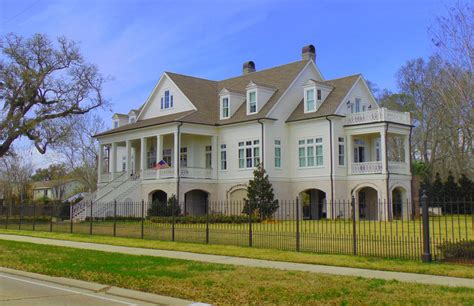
(359, 151)
(319, 94)
(225, 107)
(249, 154)
(340, 151)
(167, 156)
(124, 163)
(310, 152)
(131, 119)
(377, 150)
(277, 154)
(252, 102)
(357, 105)
(116, 124)
(183, 157)
(310, 106)
(167, 100)
(223, 157)
(208, 157)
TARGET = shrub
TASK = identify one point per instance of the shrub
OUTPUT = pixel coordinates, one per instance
(164, 209)
(203, 219)
(458, 250)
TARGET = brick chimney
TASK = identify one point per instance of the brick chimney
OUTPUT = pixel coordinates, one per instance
(308, 52)
(248, 67)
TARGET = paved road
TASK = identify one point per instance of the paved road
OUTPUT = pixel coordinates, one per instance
(366, 273)
(19, 290)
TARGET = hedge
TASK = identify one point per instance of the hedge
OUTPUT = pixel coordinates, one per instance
(457, 250)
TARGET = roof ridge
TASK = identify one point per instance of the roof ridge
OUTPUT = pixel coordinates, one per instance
(190, 76)
(344, 77)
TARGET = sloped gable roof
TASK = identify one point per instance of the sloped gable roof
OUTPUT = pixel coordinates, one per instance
(341, 88)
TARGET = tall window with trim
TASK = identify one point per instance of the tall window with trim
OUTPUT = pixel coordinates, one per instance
(310, 105)
(167, 157)
(183, 157)
(167, 100)
(310, 152)
(252, 102)
(319, 94)
(223, 157)
(225, 107)
(277, 154)
(341, 151)
(249, 154)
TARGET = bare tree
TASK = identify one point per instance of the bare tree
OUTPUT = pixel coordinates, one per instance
(80, 149)
(43, 85)
(16, 170)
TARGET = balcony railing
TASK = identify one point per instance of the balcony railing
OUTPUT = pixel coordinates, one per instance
(185, 172)
(372, 167)
(378, 115)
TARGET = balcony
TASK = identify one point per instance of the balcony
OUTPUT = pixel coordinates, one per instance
(185, 172)
(378, 115)
(375, 167)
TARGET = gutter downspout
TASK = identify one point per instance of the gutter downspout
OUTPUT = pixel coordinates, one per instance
(388, 173)
(263, 144)
(178, 162)
(332, 164)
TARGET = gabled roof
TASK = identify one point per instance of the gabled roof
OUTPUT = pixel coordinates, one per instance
(341, 88)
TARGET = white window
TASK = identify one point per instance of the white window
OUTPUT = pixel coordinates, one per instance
(167, 156)
(225, 107)
(341, 151)
(357, 105)
(223, 157)
(116, 124)
(167, 100)
(359, 151)
(309, 99)
(131, 119)
(252, 102)
(124, 163)
(183, 157)
(377, 150)
(277, 154)
(208, 157)
(310, 152)
(249, 154)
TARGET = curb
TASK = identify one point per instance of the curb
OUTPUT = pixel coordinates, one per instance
(99, 288)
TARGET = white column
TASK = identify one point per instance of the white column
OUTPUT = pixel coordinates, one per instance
(128, 146)
(383, 141)
(100, 162)
(159, 149)
(113, 159)
(176, 153)
(214, 160)
(406, 142)
(143, 159)
(350, 152)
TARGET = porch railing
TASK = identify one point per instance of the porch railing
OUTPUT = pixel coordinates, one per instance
(185, 172)
(378, 115)
(371, 167)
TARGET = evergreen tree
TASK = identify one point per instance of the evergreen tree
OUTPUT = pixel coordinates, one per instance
(425, 186)
(450, 188)
(437, 189)
(466, 188)
(163, 209)
(260, 196)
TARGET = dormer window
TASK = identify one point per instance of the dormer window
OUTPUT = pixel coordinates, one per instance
(310, 105)
(252, 105)
(225, 108)
(319, 94)
(167, 100)
(116, 124)
(132, 119)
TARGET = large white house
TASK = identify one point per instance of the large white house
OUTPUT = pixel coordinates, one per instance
(319, 140)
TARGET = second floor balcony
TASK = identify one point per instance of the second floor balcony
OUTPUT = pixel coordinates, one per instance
(381, 114)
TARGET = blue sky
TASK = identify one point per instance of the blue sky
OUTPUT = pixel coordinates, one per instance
(135, 41)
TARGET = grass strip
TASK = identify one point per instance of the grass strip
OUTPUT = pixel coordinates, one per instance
(397, 265)
(217, 283)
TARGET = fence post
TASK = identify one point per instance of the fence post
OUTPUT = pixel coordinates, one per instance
(426, 257)
(143, 218)
(34, 216)
(354, 227)
(71, 230)
(51, 218)
(20, 215)
(250, 225)
(90, 220)
(207, 221)
(172, 218)
(297, 224)
(115, 218)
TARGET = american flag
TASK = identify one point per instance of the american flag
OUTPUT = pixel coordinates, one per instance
(161, 165)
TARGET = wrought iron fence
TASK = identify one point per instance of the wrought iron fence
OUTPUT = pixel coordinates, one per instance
(426, 229)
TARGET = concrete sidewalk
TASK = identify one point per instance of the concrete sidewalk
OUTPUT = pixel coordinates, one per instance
(399, 276)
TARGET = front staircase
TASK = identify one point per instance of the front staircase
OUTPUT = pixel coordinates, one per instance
(100, 203)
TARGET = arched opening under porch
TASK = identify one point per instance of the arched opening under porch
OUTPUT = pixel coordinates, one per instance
(367, 200)
(313, 202)
(399, 203)
(195, 202)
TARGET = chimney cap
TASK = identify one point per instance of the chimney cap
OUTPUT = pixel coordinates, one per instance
(308, 52)
(249, 65)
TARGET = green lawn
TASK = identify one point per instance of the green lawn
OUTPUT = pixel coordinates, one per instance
(396, 239)
(220, 284)
(400, 265)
